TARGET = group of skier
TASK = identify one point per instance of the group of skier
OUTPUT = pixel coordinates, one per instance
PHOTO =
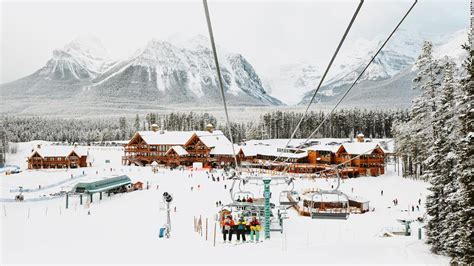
(241, 227)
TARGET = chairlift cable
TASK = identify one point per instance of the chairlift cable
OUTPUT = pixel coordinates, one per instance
(219, 76)
(360, 75)
(356, 12)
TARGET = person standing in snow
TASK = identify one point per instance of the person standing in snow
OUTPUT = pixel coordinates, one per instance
(255, 230)
(227, 228)
(381, 192)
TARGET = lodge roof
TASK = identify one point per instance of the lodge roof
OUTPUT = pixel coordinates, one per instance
(178, 149)
(163, 137)
(58, 151)
(331, 148)
(359, 148)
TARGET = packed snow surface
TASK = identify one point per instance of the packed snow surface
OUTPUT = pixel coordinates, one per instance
(124, 228)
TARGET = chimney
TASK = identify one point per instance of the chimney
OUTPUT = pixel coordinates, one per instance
(210, 128)
(360, 137)
(154, 127)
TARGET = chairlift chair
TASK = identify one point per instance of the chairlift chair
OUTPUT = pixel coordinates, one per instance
(341, 212)
(285, 199)
(337, 213)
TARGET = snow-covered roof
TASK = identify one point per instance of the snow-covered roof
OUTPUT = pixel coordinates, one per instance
(274, 151)
(59, 151)
(281, 142)
(248, 150)
(331, 148)
(178, 149)
(214, 139)
(166, 137)
(224, 150)
(357, 198)
(163, 137)
(326, 197)
(360, 147)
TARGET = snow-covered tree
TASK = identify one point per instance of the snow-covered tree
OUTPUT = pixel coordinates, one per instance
(461, 246)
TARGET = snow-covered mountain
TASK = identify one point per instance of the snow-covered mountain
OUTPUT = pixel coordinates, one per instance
(399, 54)
(160, 73)
(179, 73)
(83, 58)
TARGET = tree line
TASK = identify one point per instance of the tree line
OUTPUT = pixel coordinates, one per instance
(436, 145)
(276, 124)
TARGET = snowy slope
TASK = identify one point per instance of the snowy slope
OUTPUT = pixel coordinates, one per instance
(399, 54)
(124, 228)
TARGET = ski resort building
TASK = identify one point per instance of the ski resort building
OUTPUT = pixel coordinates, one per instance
(175, 148)
(365, 158)
(57, 157)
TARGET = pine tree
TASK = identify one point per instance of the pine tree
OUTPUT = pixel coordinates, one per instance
(463, 252)
(440, 167)
(424, 106)
(136, 125)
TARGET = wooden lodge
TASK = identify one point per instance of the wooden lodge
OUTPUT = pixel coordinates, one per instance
(174, 148)
(57, 157)
(212, 148)
(368, 157)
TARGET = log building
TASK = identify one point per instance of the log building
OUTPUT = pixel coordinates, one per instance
(173, 148)
(57, 157)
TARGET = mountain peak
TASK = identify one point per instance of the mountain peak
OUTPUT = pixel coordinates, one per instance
(89, 46)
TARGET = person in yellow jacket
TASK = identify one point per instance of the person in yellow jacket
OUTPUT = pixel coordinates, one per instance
(255, 229)
(240, 228)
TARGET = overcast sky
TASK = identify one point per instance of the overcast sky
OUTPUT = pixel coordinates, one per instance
(267, 33)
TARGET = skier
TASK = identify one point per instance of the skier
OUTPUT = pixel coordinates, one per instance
(419, 201)
(225, 187)
(255, 229)
(381, 192)
(227, 226)
(191, 188)
(412, 208)
(241, 227)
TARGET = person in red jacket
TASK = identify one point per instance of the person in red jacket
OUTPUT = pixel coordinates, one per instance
(227, 228)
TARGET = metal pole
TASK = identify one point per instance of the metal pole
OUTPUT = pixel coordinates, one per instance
(80, 199)
(206, 229)
(215, 232)
(67, 200)
(168, 217)
(266, 194)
